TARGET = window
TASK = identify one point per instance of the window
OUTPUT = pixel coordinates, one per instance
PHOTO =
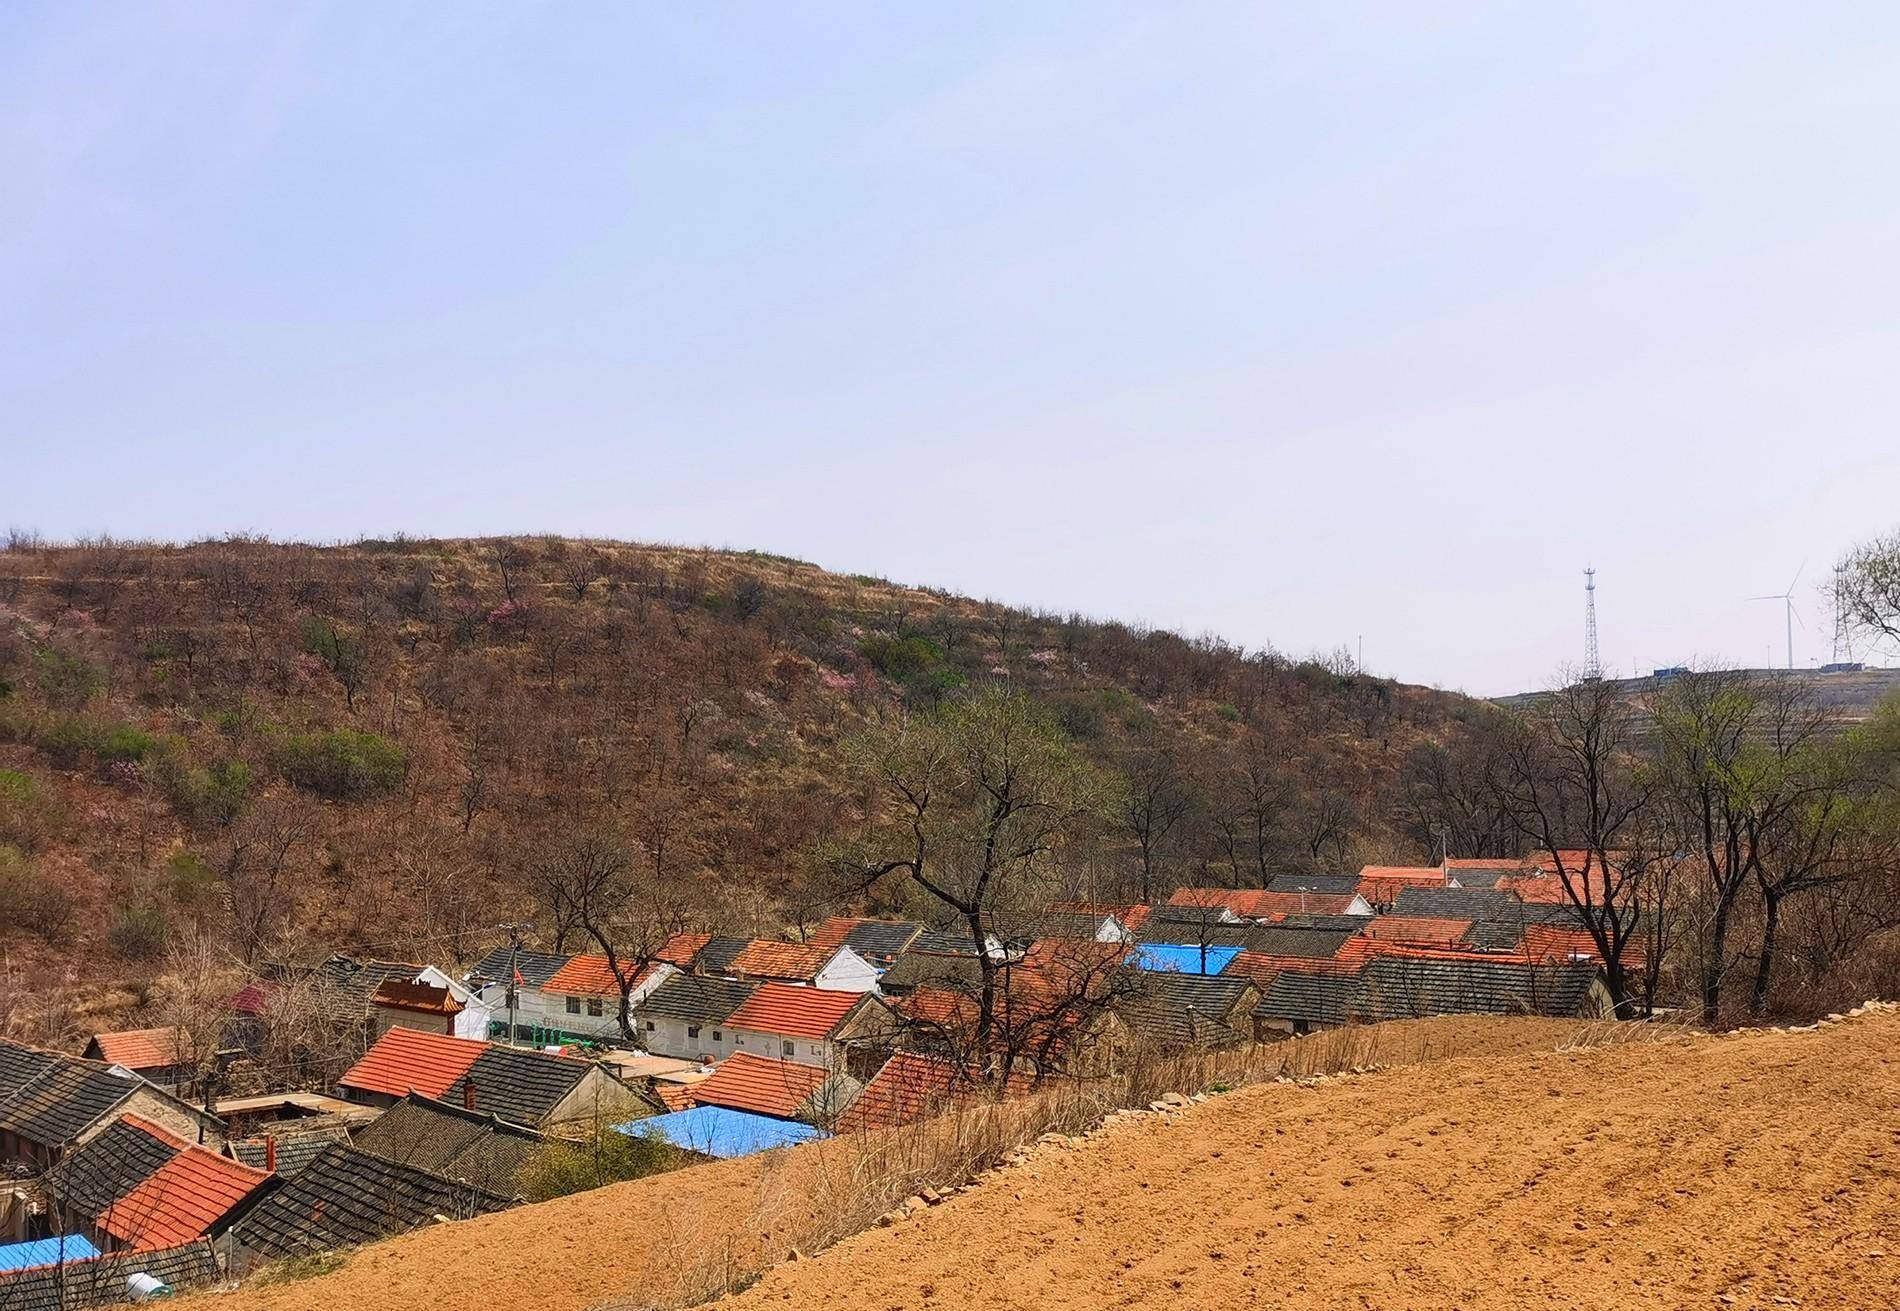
(649, 1026)
(717, 1035)
(593, 1006)
(788, 1047)
(573, 1005)
(692, 1031)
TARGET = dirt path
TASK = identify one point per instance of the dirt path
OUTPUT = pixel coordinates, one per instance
(1695, 1172)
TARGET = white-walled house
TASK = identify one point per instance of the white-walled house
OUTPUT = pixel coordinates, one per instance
(813, 1026)
(834, 969)
(688, 1016)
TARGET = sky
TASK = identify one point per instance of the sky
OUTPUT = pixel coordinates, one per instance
(1307, 325)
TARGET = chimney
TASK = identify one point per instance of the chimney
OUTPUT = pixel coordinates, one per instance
(468, 1094)
(270, 1152)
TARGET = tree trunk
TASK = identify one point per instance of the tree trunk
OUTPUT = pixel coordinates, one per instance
(1765, 966)
(1712, 966)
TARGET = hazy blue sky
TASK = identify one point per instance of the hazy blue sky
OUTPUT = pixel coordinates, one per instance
(1291, 322)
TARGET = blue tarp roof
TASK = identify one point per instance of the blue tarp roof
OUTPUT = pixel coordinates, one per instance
(719, 1131)
(45, 1251)
(1177, 959)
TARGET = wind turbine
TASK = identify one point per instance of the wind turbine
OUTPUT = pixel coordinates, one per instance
(1787, 600)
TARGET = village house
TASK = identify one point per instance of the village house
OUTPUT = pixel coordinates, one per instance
(877, 941)
(782, 1089)
(51, 1103)
(834, 969)
(473, 1147)
(150, 1053)
(413, 1005)
(526, 1087)
(137, 1185)
(812, 1026)
(688, 1017)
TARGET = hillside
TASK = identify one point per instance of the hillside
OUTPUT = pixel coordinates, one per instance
(371, 747)
(1848, 696)
(1748, 1170)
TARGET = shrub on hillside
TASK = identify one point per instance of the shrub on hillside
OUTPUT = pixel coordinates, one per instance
(602, 1156)
(65, 679)
(30, 901)
(70, 742)
(139, 930)
(28, 813)
(344, 765)
(900, 657)
(215, 794)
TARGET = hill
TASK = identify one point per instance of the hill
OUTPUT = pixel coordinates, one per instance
(372, 747)
(1849, 696)
(1751, 1169)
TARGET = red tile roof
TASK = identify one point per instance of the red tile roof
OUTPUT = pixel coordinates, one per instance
(181, 1200)
(1417, 928)
(1261, 966)
(253, 998)
(157, 1131)
(680, 949)
(766, 959)
(592, 976)
(1132, 915)
(405, 1059)
(745, 1082)
(911, 1086)
(834, 931)
(1264, 903)
(1483, 862)
(1544, 943)
(792, 1011)
(420, 997)
(1423, 875)
(674, 1096)
(139, 1049)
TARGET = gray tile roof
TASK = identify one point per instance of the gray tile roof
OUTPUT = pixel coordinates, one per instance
(880, 940)
(1326, 884)
(101, 1280)
(517, 1084)
(107, 1167)
(944, 942)
(1174, 1026)
(1190, 933)
(716, 956)
(1305, 920)
(1217, 996)
(1395, 988)
(697, 999)
(297, 1146)
(536, 967)
(346, 1196)
(483, 1151)
(1310, 998)
(1279, 940)
(50, 1099)
(916, 969)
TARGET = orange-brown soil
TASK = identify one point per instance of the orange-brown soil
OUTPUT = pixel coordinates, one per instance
(1693, 1171)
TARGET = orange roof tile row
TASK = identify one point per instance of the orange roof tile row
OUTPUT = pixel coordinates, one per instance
(834, 931)
(420, 997)
(793, 1011)
(1261, 966)
(1420, 874)
(181, 1200)
(766, 959)
(139, 1049)
(681, 949)
(911, 1086)
(405, 1059)
(1132, 915)
(1544, 943)
(744, 1082)
(1417, 928)
(593, 976)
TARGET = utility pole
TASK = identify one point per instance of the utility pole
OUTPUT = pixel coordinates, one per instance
(514, 976)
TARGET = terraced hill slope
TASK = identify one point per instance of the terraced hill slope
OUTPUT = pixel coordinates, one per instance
(1756, 1170)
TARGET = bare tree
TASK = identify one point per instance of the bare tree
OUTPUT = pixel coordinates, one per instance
(1569, 782)
(973, 803)
(594, 880)
(1156, 796)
